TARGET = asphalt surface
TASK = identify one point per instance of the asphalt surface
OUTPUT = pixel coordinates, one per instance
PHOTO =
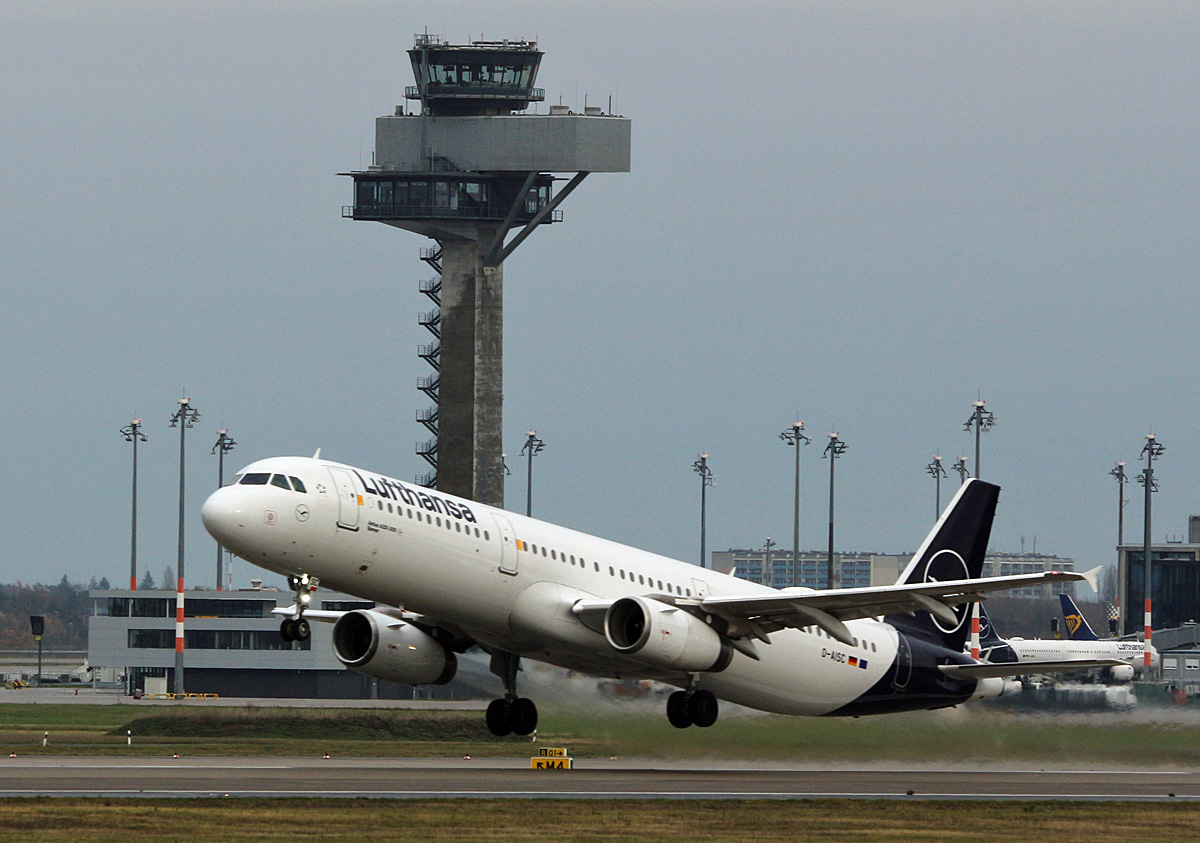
(589, 778)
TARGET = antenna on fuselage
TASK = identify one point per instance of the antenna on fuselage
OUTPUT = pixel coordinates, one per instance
(317, 455)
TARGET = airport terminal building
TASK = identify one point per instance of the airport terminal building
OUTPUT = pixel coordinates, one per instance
(861, 570)
(232, 647)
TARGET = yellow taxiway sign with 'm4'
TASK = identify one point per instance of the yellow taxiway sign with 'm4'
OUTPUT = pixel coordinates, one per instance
(550, 763)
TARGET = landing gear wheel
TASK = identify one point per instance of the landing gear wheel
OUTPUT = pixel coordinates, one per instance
(497, 718)
(522, 716)
(300, 629)
(703, 708)
(678, 710)
(287, 630)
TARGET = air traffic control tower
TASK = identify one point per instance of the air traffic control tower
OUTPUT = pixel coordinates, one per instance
(466, 170)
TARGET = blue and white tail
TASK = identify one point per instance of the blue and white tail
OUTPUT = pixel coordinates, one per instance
(953, 550)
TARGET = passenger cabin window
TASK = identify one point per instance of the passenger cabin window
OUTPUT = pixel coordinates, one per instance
(255, 479)
(297, 485)
(280, 481)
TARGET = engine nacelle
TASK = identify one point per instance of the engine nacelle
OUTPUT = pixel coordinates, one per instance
(1120, 673)
(387, 648)
(662, 635)
(991, 687)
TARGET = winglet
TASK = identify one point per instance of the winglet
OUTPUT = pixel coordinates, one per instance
(1092, 578)
(317, 455)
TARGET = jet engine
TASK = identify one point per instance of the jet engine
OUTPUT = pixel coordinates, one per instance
(662, 635)
(388, 648)
(995, 686)
(1120, 673)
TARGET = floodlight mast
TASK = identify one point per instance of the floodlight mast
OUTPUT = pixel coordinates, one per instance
(833, 450)
(133, 433)
(960, 466)
(1152, 450)
(700, 466)
(794, 436)
(937, 472)
(982, 421)
(532, 447)
(224, 446)
(1118, 472)
(186, 416)
(768, 576)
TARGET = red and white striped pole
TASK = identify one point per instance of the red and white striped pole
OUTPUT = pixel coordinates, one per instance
(975, 630)
(1146, 655)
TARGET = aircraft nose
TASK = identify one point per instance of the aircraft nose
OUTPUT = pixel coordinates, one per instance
(222, 515)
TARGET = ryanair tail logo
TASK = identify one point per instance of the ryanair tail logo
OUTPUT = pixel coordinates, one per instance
(1074, 621)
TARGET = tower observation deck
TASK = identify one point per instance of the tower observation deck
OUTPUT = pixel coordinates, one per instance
(466, 169)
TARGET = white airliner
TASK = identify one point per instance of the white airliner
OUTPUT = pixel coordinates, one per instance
(472, 575)
(1128, 657)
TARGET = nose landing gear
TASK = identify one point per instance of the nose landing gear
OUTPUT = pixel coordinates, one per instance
(296, 628)
(511, 715)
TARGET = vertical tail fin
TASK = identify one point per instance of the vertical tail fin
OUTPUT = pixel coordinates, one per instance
(953, 550)
(1077, 627)
(988, 636)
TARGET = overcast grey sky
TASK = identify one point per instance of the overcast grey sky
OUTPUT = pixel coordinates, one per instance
(866, 214)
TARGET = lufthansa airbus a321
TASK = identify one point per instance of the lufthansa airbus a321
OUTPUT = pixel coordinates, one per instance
(466, 575)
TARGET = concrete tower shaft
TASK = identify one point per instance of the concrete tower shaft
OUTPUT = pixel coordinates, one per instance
(465, 171)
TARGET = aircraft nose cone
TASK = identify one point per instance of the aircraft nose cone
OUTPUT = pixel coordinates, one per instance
(222, 516)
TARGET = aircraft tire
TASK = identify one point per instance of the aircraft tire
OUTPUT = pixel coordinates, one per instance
(287, 630)
(522, 716)
(703, 708)
(678, 712)
(497, 718)
(302, 630)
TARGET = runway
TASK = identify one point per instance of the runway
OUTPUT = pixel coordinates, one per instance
(590, 779)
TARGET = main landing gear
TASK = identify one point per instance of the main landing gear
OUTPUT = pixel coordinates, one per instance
(297, 628)
(512, 715)
(692, 708)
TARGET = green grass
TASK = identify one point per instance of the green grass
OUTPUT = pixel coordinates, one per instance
(513, 821)
(623, 731)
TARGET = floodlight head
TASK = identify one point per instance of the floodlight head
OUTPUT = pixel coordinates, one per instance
(1121, 463)
(978, 403)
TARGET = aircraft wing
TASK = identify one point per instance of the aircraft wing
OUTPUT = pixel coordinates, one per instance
(760, 614)
(984, 670)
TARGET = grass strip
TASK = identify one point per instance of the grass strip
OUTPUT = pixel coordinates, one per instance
(511, 821)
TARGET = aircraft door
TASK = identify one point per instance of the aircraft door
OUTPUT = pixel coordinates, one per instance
(700, 587)
(903, 667)
(349, 500)
(508, 545)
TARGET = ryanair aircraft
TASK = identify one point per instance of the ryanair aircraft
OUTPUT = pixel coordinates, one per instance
(469, 575)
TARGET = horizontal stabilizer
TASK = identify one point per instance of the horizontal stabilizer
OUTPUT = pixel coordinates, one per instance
(986, 670)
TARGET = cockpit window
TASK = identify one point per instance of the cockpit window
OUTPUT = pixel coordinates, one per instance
(236, 479)
(280, 481)
(255, 479)
(296, 484)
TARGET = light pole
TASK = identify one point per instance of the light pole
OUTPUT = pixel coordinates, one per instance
(937, 472)
(532, 447)
(833, 450)
(768, 574)
(1152, 450)
(982, 420)
(224, 446)
(700, 466)
(960, 465)
(133, 433)
(794, 436)
(1119, 473)
(186, 416)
